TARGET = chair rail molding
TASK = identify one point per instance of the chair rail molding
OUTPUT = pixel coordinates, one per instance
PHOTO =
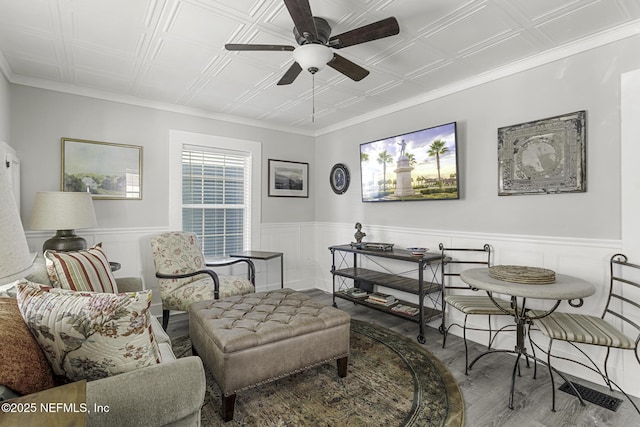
(580, 257)
(307, 261)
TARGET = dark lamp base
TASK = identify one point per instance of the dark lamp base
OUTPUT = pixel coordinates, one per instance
(65, 241)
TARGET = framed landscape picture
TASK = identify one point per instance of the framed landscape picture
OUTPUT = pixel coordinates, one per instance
(288, 179)
(543, 157)
(106, 170)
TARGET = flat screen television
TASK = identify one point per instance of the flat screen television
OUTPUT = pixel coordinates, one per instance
(419, 165)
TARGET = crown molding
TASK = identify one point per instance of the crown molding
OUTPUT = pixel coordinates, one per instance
(561, 52)
(624, 31)
(146, 103)
(5, 70)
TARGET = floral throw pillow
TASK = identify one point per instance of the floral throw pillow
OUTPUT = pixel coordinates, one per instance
(88, 335)
(86, 270)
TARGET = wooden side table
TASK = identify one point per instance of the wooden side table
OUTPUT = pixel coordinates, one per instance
(264, 256)
(59, 406)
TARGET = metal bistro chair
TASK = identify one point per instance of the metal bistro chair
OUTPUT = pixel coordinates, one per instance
(594, 330)
(184, 276)
(465, 299)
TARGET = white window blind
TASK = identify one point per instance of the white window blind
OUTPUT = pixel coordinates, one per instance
(216, 198)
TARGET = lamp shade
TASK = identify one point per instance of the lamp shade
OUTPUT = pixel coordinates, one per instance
(15, 259)
(58, 210)
(312, 57)
(64, 212)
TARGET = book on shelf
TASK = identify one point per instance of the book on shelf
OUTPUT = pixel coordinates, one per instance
(378, 302)
(405, 309)
(380, 297)
(356, 293)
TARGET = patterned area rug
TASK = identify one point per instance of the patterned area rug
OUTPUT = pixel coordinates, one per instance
(391, 381)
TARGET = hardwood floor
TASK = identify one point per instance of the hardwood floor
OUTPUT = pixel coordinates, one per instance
(486, 388)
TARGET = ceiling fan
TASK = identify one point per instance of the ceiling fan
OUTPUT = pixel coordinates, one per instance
(313, 37)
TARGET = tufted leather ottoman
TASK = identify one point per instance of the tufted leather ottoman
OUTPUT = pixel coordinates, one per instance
(251, 339)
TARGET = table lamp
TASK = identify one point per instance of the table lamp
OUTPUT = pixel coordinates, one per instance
(63, 212)
(15, 259)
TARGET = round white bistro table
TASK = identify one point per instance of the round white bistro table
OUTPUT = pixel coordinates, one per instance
(564, 288)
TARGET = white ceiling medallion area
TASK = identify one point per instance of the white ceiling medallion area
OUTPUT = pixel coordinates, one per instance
(170, 54)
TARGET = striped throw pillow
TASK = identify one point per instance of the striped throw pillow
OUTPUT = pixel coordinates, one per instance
(86, 270)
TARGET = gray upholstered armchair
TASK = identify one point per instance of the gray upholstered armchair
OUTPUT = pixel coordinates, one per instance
(170, 393)
(183, 275)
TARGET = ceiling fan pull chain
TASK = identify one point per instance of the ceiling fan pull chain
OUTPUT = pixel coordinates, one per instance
(313, 98)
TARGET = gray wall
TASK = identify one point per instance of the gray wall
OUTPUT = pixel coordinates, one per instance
(4, 109)
(588, 81)
(39, 118)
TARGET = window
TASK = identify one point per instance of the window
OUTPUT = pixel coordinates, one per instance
(211, 146)
(216, 198)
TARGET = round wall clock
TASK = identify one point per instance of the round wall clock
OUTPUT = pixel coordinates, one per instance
(339, 178)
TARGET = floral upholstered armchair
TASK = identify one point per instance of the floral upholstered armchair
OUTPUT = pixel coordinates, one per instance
(183, 275)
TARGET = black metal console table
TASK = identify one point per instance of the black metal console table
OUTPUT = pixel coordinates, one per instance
(372, 280)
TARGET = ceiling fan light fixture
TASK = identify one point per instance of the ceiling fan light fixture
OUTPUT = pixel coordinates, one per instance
(312, 57)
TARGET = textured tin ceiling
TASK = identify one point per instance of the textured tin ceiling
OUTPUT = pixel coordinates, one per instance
(170, 53)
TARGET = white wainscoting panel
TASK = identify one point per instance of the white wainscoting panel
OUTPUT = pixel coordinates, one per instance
(296, 242)
(584, 258)
(129, 246)
(307, 265)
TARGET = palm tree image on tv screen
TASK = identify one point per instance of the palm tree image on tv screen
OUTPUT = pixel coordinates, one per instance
(419, 165)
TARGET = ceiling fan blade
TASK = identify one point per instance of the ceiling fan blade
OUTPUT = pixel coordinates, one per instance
(290, 75)
(348, 68)
(265, 47)
(300, 12)
(377, 30)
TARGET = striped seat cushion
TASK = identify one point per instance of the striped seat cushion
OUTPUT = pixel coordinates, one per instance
(86, 270)
(477, 304)
(581, 328)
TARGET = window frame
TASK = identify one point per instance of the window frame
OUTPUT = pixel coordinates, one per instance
(178, 139)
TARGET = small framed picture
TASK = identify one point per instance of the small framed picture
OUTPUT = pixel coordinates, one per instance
(106, 170)
(339, 178)
(288, 179)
